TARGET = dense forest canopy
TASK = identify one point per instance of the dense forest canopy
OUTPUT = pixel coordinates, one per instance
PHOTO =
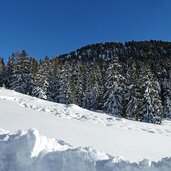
(131, 79)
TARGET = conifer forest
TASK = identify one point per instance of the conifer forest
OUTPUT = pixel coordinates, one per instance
(130, 80)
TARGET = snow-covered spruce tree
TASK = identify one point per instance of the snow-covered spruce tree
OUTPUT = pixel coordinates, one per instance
(151, 105)
(87, 91)
(9, 70)
(167, 104)
(98, 86)
(166, 89)
(114, 88)
(42, 81)
(33, 66)
(20, 78)
(76, 83)
(132, 91)
(2, 72)
(80, 83)
(55, 80)
(93, 79)
(55, 88)
(63, 84)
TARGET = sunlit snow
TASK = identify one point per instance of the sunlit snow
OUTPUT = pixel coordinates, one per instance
(94, 138)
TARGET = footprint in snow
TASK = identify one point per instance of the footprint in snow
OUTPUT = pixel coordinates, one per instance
(109, 125)
(151, 131)
(110, 119)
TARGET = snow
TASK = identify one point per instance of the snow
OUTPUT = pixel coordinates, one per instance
(30, 151)
(94, 137)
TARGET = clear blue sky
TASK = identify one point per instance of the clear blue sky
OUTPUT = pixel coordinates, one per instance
(53, 27)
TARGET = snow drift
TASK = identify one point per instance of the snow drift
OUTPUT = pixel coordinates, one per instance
(30, 151)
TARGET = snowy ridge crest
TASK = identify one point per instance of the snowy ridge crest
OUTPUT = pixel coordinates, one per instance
(30, 151)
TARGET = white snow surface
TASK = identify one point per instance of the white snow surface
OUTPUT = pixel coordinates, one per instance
(86, 130)
(29, 151)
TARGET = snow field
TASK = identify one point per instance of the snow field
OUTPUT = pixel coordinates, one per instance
(94, 137)
(73, 111)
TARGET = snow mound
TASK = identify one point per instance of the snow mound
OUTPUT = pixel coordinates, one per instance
(30, 151)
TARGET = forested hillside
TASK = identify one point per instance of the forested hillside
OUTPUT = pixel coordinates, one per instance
(131, 79)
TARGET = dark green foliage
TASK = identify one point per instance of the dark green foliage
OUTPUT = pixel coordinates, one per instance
(114, 88)
(43, 80)
(2, 72)
(19, 73)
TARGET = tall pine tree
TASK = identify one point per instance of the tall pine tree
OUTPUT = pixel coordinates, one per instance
(114, 88)
(20, 76)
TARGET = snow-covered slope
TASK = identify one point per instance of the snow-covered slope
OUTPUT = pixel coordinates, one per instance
(132, 140)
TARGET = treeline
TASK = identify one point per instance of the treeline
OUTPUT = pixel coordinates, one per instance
(131, 79)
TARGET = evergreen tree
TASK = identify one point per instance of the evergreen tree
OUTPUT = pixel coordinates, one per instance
(114, 88)
(64, 78)
(76, 84)
(2, 72)
(33, 66)
(132, 91)
(9, 70)
(42, 81)
(20, 77)
(151, 109)
(166, 94)
(80, 83)
(92, 81)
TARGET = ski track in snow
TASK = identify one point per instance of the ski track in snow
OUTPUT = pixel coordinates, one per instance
(71, 112)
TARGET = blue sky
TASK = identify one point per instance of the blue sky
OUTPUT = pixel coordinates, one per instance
(53, 27)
